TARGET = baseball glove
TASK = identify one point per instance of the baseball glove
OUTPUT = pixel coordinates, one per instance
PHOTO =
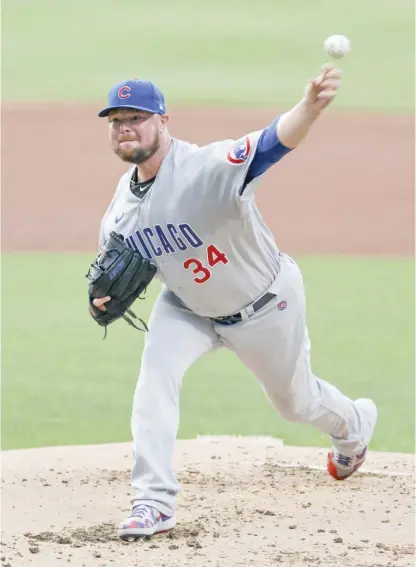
(121, 273)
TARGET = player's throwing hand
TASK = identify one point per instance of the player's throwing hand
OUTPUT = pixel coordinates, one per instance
(320, 92)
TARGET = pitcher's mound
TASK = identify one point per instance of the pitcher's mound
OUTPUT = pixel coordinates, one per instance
(244, 501)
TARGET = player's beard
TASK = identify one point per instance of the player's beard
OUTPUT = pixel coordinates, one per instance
(139, 155)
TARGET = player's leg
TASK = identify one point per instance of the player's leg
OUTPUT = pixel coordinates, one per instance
(274, 344)
(176, 338)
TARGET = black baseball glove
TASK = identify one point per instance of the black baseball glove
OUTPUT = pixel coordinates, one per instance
(121, 273)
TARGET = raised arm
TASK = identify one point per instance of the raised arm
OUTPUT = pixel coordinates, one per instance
(293, 126)
(290, 128)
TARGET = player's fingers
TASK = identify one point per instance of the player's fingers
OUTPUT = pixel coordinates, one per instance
(318, 80)
(316, 83)
(331, 84)
(333, 74)
(328, 72)
(327, 95)
(326, 67)
(99, 302)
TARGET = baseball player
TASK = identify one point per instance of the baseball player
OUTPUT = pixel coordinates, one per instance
(191, 210)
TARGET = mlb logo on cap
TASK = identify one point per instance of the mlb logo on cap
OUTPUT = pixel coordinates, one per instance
(135, 94)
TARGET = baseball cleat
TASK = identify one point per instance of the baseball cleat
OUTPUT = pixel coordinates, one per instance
(342, 466)
(145, 521)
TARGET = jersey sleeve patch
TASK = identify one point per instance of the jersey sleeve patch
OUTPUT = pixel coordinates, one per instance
(240, 151)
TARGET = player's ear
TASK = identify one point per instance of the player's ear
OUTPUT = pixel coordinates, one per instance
(164, 119)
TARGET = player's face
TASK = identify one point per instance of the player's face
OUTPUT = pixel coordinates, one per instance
(134, 134)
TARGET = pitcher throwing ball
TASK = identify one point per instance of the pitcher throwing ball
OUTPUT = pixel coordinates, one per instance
(191, 212)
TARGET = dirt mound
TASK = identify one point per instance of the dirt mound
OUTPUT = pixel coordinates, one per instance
(244, 501)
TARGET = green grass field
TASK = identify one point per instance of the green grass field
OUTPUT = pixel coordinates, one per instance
(62, 384)
(217, 52)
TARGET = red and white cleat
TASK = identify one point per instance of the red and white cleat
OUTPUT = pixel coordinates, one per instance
(341, 466)
(145, 521)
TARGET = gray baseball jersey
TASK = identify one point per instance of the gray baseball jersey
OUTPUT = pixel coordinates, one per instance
(204, 232)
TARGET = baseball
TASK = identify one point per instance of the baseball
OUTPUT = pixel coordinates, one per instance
(337, 46)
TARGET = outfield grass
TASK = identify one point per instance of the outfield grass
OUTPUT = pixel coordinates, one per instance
(234, 52)
(62, 384)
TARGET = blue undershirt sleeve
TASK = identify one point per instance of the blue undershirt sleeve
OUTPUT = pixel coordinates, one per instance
(268, 152)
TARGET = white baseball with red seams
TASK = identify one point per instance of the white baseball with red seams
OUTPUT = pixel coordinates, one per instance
(337, 46)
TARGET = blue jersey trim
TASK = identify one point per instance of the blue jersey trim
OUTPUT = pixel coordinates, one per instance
(268, 152)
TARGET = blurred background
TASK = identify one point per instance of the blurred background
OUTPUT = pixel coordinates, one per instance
(342, 204)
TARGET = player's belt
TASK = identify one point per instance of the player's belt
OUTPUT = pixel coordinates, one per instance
(231, 319)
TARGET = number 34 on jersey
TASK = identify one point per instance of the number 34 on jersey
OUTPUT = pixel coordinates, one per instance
(201, 271)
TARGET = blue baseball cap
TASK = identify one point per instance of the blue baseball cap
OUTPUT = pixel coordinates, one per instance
(135, 94)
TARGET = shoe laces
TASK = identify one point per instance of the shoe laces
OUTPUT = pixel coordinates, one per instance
(142, 511)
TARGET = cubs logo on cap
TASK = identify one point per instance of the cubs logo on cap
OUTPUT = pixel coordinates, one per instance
(123, 92)
(240, 151)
